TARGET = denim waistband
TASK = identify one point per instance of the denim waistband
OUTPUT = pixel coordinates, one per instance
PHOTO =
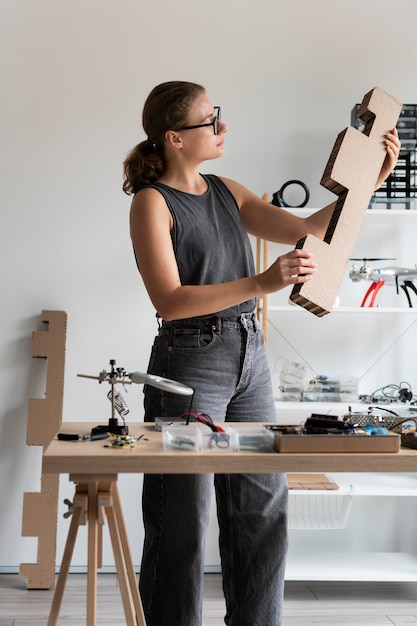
(216, 322)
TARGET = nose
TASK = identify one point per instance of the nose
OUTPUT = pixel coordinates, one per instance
(223, 128)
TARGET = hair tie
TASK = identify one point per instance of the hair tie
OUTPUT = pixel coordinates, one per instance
(152, 143)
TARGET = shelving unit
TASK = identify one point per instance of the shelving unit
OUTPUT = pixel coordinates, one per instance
(378, 346)
(344, 552)
(348, 309)
(344, 566)
(372, 331)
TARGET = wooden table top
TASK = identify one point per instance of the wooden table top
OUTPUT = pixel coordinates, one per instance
(148, 456)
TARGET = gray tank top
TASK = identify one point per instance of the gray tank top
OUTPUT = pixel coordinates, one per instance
(210, 242)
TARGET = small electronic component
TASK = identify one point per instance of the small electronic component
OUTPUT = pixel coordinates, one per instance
(75, 437)
(121, 441)
(322, 424)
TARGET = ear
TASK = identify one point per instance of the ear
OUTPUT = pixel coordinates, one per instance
(173, 138)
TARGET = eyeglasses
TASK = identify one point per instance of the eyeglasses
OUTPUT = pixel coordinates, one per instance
(214, 123)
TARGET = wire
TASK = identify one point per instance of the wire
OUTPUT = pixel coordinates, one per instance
(203, 418)
(412, 426)
(219, 437)
(382, 408)
(402, 392)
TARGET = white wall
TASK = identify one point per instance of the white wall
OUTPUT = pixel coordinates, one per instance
(74, 76)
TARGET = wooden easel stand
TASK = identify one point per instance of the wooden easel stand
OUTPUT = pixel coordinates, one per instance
(97, 499)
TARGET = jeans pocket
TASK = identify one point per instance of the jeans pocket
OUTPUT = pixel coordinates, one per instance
(192, 339)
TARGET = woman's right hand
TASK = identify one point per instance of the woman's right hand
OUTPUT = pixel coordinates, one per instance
(292, 268)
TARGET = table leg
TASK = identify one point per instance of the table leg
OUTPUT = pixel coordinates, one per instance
(78, 516)
(118, 558)
(134, 587)
(91, 498)
(92, 563)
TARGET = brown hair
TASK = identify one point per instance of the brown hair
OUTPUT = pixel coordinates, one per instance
(166, 107)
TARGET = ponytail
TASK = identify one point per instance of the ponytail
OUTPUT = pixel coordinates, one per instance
(143, 165)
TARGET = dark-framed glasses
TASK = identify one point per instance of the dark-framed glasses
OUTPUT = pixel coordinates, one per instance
(214, 123)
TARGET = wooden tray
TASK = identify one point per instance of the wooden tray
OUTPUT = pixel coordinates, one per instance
(337, 443)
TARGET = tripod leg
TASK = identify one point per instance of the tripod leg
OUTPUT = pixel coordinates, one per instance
(106, 501)
(80, 507)
(134, 587)
(93, 550)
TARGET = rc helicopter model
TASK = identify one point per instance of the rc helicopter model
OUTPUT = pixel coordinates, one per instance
(403, 277)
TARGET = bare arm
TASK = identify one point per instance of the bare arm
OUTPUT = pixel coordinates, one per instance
(151, 222)
(267, 221)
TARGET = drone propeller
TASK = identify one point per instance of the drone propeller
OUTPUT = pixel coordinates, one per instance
(364, 271)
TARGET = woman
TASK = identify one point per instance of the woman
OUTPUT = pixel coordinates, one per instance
(190, 237)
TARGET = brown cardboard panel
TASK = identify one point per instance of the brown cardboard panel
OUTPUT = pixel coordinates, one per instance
(316, 482)
(336, 443)
(40, 509)
(351, 173)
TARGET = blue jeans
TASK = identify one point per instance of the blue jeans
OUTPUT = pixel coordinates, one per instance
(224, 361)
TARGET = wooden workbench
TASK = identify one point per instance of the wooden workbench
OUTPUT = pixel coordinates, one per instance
(94, 467)
(148, 456)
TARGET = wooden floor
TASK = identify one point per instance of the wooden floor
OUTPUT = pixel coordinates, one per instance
(319, 603)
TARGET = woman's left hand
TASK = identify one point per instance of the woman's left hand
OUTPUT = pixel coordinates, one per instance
(392, 146)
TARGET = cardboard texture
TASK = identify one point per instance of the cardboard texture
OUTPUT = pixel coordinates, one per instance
(311, 482)
(351, 173)
(40, 509)
(332, 444)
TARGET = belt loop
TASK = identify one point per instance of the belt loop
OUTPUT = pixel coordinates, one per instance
(250, 318)
(217, 325)
(158, 320)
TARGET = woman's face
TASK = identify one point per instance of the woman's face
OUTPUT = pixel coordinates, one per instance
(202, 141)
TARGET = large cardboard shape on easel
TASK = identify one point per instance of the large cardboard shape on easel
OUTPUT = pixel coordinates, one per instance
(40, 509)
(351, 173)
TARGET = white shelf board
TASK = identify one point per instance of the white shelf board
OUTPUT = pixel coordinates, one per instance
(337, 408)
(288, 308)
(294, 413)
(388, 216)
(375, 484)
(381, 215)
(369, 566)
(366, 484)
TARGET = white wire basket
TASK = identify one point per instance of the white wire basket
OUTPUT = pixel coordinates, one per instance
(311, 510)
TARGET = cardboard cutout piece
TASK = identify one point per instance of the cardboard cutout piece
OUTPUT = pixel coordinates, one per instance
(351, 173)
(40, 509)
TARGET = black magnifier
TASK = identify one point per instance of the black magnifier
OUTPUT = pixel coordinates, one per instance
(278, 196)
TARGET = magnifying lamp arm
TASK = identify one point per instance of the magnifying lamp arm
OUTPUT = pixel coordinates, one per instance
(138, 377)
(165, 384)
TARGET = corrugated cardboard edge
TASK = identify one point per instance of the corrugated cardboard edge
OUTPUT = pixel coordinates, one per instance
(40, 509)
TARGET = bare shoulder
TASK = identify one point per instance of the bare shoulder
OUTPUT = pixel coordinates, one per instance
(147, 197)
(149, 205)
